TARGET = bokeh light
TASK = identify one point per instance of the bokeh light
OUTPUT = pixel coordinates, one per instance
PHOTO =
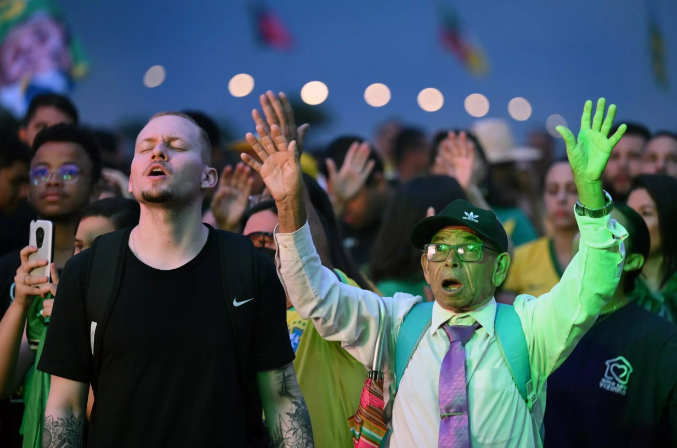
(241, 85)
(552, 122)
(519, 109)
(314, 93)
(430, 99)
(154, 76)
(377, 95)
(477, 105)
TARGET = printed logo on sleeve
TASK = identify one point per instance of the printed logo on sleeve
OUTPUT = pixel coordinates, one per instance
(616, 376)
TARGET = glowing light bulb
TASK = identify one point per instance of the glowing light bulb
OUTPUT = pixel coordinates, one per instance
(430, 99)
(241, 85)
(477, 105)
(377, 95)
(552, 122)
(154, 76)
(314, 93)
(519, 109)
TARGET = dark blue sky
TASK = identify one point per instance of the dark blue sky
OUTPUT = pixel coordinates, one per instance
(554, 53)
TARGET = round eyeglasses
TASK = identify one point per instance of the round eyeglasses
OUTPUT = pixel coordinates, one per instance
(470, 252)
(68, 174)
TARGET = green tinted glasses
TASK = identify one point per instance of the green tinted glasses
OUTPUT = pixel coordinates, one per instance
(466, 252)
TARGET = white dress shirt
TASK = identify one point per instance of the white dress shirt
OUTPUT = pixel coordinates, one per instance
(498, 416)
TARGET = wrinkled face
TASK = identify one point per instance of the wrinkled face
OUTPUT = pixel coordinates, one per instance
(44, 117)
(660, 157)
(37, 46)
(168, 168)
(60, 180)
(457, 285)
(89, 228)
(560, 196)
(625, 163)
(13, 179)
(259, 227)
(641, 202)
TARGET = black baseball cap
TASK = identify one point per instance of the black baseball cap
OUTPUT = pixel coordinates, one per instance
(461, 213)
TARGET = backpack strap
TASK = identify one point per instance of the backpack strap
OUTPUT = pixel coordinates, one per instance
(240, 284)
(509, 334)
(104, 276)
(415, 324)
(238, 271)
(513, 345)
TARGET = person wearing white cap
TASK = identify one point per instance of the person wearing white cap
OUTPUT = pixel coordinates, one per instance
(510, 166)
(461, 155)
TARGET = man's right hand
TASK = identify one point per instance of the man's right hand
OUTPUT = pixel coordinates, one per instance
(281, 172)
(25, 288)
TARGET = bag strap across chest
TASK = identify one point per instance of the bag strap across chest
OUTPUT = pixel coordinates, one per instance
(238, 281)
(509, 334)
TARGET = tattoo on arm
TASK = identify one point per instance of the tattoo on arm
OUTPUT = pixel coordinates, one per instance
(292, 428)
(68, 432)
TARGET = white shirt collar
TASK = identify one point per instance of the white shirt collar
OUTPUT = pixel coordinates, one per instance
(485, 315)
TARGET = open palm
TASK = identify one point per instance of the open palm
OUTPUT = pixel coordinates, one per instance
(281, 168)
(230, 200)
(589, 155)
(278, 111)
(457, 159)
(345, 183)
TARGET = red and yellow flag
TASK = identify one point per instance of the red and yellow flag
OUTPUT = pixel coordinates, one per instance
(459, 43)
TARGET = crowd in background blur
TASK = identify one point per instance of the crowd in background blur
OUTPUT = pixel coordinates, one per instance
(368, 193)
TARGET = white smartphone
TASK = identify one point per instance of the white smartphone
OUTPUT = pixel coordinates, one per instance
(42, 237)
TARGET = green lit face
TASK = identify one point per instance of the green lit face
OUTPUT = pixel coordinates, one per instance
(462, 286)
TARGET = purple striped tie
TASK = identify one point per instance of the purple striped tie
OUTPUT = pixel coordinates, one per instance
(454, 429)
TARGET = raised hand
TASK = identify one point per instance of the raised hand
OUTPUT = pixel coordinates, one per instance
(281, 167)
(230, 200)
(278, 111)
(345, 183)
(457, 159)
(589, 154)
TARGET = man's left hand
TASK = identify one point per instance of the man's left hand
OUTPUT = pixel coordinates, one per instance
(589, 155)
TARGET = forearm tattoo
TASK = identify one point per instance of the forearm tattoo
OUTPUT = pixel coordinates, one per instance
(66, 432)
(292, 429)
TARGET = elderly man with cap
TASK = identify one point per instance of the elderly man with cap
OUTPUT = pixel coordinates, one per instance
(466, 371)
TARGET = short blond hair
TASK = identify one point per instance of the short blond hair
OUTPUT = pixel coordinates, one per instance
(204, 138)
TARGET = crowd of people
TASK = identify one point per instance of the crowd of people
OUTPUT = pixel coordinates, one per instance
(207, 284)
